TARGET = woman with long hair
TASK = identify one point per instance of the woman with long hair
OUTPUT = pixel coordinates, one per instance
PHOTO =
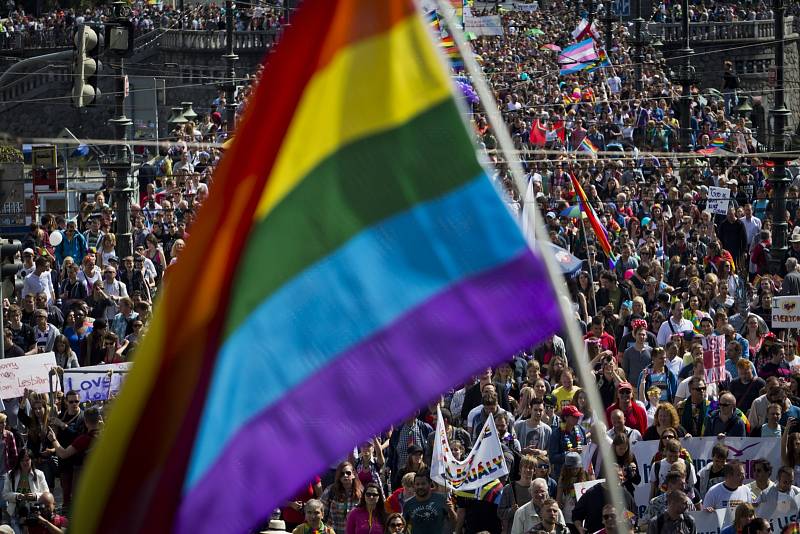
(627, 461)
(395, 524)
(555, 367)
(665, 418)
(571, 474)
(23, 483)
(65, 356)
(341, 497)
(754, 334)
(108, 244)
(369, 516)
(42, 450)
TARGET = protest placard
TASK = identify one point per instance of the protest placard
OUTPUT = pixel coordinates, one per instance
(743, 449)
(529, 8)
(718, 200)
(484, 26)
(26, 372)
(93, 386)
(786, 312)
(708, 522)
(714, 359)
(582, 487)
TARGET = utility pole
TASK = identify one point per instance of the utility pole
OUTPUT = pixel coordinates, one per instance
(779, 180)
(230, 73)
(608, 19)
(638, 43)
(120, 160)
(686, 77)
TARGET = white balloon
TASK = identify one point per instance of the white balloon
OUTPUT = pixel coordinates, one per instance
(55, 238)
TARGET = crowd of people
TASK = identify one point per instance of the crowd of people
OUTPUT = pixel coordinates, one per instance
(22, 30)
(680, 286)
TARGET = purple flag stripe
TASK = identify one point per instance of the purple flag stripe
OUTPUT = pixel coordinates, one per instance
(474, 324)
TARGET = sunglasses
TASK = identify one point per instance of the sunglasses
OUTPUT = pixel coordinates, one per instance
(609, 516)
(397, 524)
(347, 473)
(372, 495)
(543, 466)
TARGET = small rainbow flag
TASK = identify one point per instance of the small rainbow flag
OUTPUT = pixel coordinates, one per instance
(352, 261)
(588, 147)
(718, 141)
(433, 21)
(597, 227)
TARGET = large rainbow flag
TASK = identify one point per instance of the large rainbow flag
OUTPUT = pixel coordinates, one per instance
(597, 227)
(353, 261)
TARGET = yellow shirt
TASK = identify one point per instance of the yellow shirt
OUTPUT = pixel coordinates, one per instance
(564, 396)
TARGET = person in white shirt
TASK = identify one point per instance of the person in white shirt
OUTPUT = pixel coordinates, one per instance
(527, 515)
(675, 325)
(762, 470)
(779, 497)
(729, 493)
(39, 281)
(114, 289)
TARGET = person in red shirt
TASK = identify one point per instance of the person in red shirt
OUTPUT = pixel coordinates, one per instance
(596, 331)
(292, 513)
(635, 416)
(80, 445)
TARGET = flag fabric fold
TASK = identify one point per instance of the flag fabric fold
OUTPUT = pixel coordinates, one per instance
(538, 135)
(581, 52)
(356, 261)
(597, 227)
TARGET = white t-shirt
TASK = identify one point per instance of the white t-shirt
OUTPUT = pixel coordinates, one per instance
(664, 467)
(719, 496)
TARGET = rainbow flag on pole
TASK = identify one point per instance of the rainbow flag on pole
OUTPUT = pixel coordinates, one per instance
(352, 261)
(597, 227)
(588, 147)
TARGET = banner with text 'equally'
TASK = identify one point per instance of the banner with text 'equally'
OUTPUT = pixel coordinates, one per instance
(484, 463)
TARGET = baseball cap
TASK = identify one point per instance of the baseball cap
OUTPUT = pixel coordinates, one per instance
(27, 251)
(413, 449)
(549, 400)
(570, 410)
(624, 385)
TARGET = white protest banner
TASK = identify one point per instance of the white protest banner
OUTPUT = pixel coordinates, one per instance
(779, 519)
(26, 372)
(93, 386)
(708, 522)
(484, 463)
(743, 449)
(786, 312)
(718, 200)
(484, 26)
(714, 359)
(582, 487)
(530, 8)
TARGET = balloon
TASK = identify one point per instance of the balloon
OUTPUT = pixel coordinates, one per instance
(55, 238)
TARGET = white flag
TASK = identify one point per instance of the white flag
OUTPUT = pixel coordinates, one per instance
(484, 463)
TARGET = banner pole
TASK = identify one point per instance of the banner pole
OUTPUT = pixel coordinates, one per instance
(574, 338)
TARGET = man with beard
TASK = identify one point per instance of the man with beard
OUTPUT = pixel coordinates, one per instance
(426, 511)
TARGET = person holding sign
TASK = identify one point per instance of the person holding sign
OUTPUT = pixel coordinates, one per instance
(780, 498)
(730, 492)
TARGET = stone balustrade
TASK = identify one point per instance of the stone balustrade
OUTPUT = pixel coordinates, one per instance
(22, 88)
(214, 40)
(720, 31)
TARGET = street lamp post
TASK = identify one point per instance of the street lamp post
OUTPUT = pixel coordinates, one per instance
(686, 77)
(230, 73)
(120, 161)
(779, 179)
(638, 43)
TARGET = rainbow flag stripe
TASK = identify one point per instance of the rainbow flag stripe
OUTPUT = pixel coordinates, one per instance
(353, 261)
(601, 234)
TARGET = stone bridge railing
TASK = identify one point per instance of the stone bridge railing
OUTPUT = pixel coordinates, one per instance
(30, 84)
(214, 40)
(756, 30)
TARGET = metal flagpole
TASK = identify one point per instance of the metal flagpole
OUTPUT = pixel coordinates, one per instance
(574, 338)
(589, 258)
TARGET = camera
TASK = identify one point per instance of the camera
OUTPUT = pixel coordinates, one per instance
(29, 513)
